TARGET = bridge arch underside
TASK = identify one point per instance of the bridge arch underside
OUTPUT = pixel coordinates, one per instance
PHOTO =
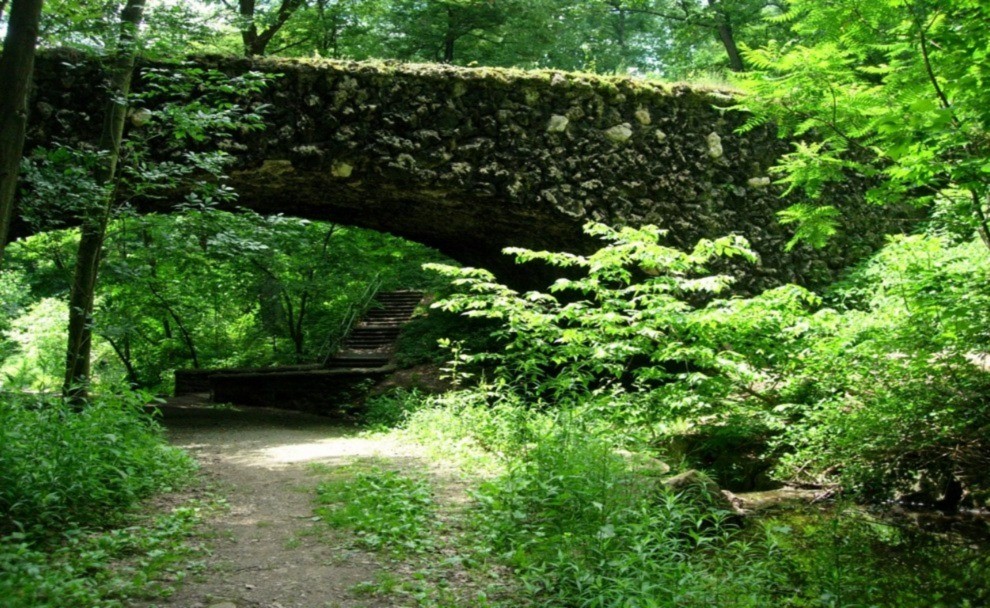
(473, 160)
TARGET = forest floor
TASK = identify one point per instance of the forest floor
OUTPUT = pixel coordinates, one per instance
(266, 548)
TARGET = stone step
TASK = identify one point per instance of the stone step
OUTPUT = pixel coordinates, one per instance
(388, 337)
(371, 341)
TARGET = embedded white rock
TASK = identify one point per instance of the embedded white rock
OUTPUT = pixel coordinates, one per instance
(714, 145)
(643, 116)
(340, 169)
(558, 124)
(619, 133)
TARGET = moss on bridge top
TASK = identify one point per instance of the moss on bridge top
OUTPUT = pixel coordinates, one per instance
(474, 159)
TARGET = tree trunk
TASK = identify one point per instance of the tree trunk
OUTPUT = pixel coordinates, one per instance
(94, 226)
(723, 27)
(449, 39)
(256, 42)
(725, 35)
(124, 354)
(620, 35)
(16, 68)
(249, 29)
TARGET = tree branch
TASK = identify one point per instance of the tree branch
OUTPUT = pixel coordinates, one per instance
(186, 336)
(125, 359)
(983, 228)
(928, 66)
(285, 11)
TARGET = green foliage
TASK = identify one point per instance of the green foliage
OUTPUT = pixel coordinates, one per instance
(881, 392)
(66, 477)
(204, 288)
(61, 468)
(172, 27)
(98, 569)
(422, 338)
(893, 90)
(626, 333)
(847, 557)
(386, 509)
(37, 336)
(390, 409)
(894, 381)
(580, 523)
(582, 529)
(815, 225)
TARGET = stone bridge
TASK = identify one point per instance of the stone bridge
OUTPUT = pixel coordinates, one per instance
(473, 160)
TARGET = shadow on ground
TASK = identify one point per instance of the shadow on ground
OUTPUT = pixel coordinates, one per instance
(266, 550)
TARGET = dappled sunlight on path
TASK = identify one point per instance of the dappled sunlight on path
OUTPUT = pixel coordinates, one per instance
(267, 552)
(270, 438)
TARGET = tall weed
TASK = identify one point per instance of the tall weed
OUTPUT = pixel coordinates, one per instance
(97, 569)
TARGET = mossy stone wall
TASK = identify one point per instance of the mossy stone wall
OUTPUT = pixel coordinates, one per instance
(473, 160)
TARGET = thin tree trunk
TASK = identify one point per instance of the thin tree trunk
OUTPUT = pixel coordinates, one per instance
(297, 333)
(249, 29)
(124, 354)
(723, 27)
(183, 330)
(731, 49)
(291, 322)
(982, 225)
(449, 39)
(16, 69)
(93, 230)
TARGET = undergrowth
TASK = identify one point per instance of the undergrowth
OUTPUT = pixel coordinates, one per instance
(99, 568)
(70, 480)
(61, 468)
(875, 388)
(385, 509)
(581, 528)
(579, 523)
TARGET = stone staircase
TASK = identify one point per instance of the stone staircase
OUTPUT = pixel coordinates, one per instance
(371, 342)
(364, 353)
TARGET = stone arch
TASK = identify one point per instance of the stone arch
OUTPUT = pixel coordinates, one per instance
(472, 160)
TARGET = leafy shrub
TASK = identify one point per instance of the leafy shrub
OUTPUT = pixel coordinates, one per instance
(418, 342)
(62, 468)
(640, 337)
(846, 557)
(881, 391)
(627, 325)
(390, 409)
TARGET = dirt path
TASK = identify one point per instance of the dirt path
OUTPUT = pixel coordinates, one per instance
(266, 551)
